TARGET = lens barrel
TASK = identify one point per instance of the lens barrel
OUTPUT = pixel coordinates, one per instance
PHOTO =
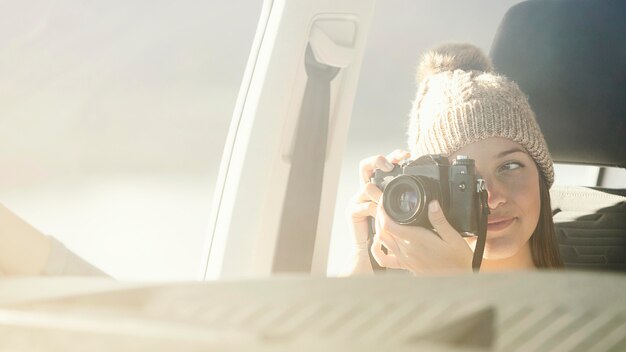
(406, 198)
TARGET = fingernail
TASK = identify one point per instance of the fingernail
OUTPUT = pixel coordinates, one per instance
(433, 206)
(388, 165)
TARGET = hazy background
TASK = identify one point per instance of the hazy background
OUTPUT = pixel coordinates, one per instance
(113, 118)
(114, 114)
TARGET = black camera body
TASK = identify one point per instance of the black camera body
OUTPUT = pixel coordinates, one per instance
(409, 188)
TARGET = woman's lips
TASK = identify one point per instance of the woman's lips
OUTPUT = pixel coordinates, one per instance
(499, 224)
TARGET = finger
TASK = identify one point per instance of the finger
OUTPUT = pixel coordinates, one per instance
(369, 192)
(441, 224)
(361, 210)
(389, 261)
(367, 167)
(386, 238)
(411, 234)
(398, 155)
(383, 259)
(391, 244)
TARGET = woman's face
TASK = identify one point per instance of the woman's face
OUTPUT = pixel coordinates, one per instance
(512, 182)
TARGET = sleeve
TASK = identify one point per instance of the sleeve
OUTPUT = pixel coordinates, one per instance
(63, 261)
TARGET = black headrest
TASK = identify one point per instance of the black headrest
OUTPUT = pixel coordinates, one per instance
(569, 57)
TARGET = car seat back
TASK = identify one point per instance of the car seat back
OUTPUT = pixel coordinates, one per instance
(591, 227)
(569, 57)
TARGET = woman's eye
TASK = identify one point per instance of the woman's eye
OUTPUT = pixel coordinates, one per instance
(513, 165)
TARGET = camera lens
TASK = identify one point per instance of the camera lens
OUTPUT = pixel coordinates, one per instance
(405, 199)
(408, 201)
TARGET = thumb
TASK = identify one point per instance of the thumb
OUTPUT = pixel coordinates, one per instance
(440, 223)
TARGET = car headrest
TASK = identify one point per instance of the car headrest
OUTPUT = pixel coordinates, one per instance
(569, 57)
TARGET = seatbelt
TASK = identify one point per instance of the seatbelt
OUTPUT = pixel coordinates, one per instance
(298, 228)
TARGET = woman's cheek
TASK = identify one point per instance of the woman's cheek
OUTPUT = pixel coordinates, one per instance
(525, 194)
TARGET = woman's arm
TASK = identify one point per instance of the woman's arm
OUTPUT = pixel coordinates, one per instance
(23, 249)
(361, 264)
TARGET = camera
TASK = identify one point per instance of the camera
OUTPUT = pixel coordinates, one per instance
(409, 188)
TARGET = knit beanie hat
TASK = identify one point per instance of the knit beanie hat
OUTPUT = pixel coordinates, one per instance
(461, 100)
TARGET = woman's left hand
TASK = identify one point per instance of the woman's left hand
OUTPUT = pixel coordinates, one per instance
(418, 249)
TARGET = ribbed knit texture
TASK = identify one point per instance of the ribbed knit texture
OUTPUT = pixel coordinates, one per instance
(454, 108)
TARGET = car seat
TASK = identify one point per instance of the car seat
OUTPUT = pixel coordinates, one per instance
(569, 57)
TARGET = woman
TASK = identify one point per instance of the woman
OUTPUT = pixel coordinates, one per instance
(25, 251)
(463, 108)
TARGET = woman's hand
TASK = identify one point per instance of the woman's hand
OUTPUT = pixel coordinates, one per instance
(364, 204)
(418, 249)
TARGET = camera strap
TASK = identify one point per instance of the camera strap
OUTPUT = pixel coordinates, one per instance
(482, 231)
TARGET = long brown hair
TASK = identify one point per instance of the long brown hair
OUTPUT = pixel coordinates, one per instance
(543, 243)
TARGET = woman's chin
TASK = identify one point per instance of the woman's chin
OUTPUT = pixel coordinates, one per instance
(500, 248)
(496, 248)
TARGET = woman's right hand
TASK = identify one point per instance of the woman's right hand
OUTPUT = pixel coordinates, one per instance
(364, 204)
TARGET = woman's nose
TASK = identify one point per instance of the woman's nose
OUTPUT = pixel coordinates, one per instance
(495, 195)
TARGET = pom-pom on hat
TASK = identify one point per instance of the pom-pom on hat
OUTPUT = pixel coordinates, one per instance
(461, 100)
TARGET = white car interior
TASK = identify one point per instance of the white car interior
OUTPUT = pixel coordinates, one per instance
(274, 229)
